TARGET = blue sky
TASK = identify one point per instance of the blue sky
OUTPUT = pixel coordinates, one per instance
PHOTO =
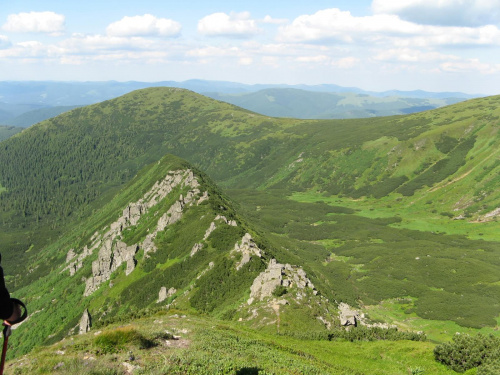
(445, 45)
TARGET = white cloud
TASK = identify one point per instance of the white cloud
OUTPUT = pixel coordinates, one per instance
(470, 65)
(4, 42)
(146, 25)
(312, 59)
(274, 21)
(37, 22)
(452, 36)
(271, 61)
(346, 62)
(232, 25)
(442, 12)
(341, 25)
(245, 61)
(408, 55)
(211, 51)
(32, 49)
(382, 29)
(89, 43)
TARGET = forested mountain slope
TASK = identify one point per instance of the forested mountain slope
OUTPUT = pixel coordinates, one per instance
(169, 239)
(66, 182)
(68, 165)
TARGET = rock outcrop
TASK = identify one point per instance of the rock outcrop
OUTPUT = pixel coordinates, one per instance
(225, 220)
(248, 248)
(85, 322)
(198, 246)
(209, 231)
(348, 316)
(76, 261)
(164, 294)
(492, 215)
(275, 275)
(351, 317)
(113, 252)
(111, 256)
(173, 215)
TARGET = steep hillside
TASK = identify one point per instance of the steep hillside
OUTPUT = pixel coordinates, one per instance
(175, 343)
(383, 214)
(169, 239)
(101, 146)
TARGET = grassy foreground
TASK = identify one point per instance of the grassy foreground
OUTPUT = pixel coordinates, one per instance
(179, 344)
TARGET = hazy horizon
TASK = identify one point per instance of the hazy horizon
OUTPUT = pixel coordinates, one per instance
(374, 45)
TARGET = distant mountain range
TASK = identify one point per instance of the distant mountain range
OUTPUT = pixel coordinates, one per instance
(288, 102)
(24, 103)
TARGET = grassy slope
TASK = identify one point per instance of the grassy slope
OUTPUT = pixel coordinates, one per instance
(363, 257)
(238, 148)
(241, 149)
(208, 346)
(207, 282)
(56, 300)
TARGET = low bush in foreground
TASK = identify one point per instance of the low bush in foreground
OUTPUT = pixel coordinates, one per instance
(120, 339)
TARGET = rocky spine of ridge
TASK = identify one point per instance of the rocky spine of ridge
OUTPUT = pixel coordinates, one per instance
(219, 218)
(247, 249)
(276, 275)
(113, 252)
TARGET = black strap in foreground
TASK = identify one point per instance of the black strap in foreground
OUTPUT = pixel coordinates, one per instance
(25, 313)
(8, 330)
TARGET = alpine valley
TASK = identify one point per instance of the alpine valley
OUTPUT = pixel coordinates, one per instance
(167, 232)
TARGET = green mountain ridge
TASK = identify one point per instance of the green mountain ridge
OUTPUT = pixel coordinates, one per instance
(302, 104)
(394, 216)
(176, 243)
(238, 148)
(27, 103)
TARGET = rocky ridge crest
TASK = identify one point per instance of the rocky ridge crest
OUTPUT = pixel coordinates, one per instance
(113, 252)
(276, 275)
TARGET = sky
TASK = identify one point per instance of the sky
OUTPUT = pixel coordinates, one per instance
(378, 45)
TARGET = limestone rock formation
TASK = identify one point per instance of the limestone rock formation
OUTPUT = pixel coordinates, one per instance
(225, 220)
(248, 248)
(210, 229)
(76, 261)
(85, 322)
(113, 252)
(164, 294)
(490, 215)
(348, 316)
(71, 255)
(197, 247)
(275, 275)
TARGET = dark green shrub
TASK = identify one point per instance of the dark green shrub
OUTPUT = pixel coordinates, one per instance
(279, 291)
(362, 333)
(466, 352)
(448, 214)
(119, 339)
(490, 368)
